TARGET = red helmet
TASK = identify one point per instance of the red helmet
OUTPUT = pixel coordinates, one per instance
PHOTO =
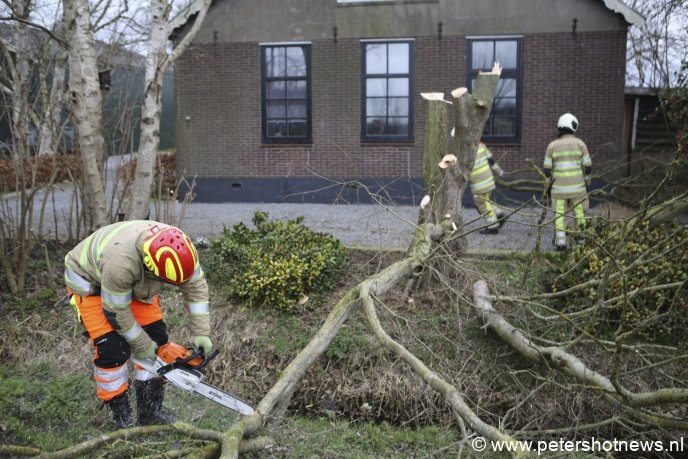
(170, 255)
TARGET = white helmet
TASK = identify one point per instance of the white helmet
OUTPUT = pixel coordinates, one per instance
(567, 122)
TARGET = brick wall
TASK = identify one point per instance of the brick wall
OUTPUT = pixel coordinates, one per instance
(219, 114)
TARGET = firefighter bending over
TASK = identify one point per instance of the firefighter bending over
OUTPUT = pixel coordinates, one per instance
(113, 278)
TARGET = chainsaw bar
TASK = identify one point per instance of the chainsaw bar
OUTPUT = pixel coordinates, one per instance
(190, 380)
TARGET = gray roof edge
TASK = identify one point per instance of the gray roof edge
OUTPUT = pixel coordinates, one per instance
(630, 15)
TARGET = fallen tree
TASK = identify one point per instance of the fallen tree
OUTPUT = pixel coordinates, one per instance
(436, 253)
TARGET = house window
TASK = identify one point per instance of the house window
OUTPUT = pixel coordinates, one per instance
(286, 93)
(386, 102)
(504, 123)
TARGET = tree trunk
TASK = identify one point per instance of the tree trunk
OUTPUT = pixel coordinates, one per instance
(87, 107)
(434, 149)
(51, 126)
(157, 62)
(449, 182)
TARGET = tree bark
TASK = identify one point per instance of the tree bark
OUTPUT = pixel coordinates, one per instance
(157, 62)
(434, 149)
(446, 176)
(471, 113)
(87, 107)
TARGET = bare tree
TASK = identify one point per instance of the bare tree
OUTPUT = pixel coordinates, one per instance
(157, 62)
(656, 50)
(86, 97)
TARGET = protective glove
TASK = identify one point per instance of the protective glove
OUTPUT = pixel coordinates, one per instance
(588, 180)
(497, 170)
(203, 343)
(146, 353)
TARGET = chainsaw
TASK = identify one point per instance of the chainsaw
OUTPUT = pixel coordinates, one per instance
(182, 367)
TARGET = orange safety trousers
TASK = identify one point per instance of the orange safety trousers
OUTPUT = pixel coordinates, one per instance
(110, 371)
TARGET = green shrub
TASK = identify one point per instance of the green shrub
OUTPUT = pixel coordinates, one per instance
(651, 260)
(276, 265)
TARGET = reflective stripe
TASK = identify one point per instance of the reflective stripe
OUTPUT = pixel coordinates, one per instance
(481, 176)
(568, 188)
(198, 273)
(478, 188)
(480, 169)
(76, 282)
(548, 162)
(117, 300)
(576, 173)
(567, 165)
(586, 160)
(559, 154)
(142, 375)
(133, 333)
(560, 238)
(199, 308)
(110, 379)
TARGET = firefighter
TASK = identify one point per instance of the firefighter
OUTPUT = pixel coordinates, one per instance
(113, 278)
(482, 183)
(568, 168)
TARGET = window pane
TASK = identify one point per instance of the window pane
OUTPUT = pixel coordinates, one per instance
(483, 55)
(506, 88)
(376, 87)
(398, 126)
(375, 126)
(277, 128)
(398, 87)
(507, 54)
(504, 126)
(298, 128)
(276, 90)
(296, 109)
(376, 106)
(296, 89)
(398, 106)
(504, 106)
(376, 58)
(276, 109)
(274, 61)
(296, 61)
(398, 58)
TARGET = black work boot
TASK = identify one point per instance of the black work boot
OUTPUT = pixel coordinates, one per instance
(149, 397)
(121, 411)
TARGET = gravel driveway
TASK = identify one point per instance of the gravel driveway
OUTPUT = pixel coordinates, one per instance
(361, 225)
(371, 226)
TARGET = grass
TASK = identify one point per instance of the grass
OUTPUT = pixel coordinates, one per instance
(38, 408)
(41, 409)
(356, 401)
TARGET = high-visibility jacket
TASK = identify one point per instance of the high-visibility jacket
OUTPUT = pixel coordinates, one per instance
(569, 162)
(482, 179)
(109, 263)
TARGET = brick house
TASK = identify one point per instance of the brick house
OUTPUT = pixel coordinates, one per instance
(296, 100)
